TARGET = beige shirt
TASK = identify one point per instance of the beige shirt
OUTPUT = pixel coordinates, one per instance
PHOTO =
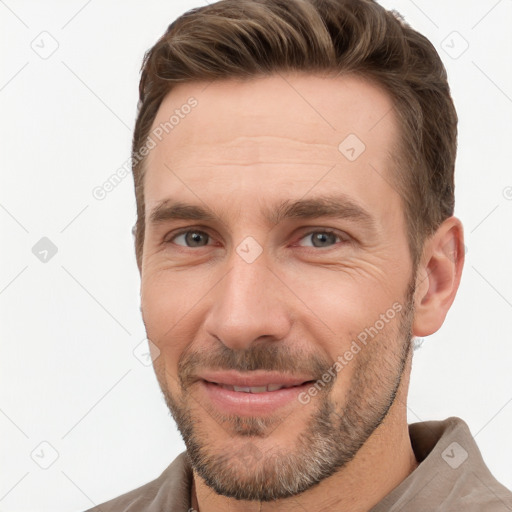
(451, 477)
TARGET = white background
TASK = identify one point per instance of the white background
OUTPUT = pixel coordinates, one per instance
(69, 327)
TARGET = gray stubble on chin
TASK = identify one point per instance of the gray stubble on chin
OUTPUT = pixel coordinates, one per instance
(329, 440)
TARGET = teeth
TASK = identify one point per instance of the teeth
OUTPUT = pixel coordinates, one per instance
(253, 389)
(258, 389)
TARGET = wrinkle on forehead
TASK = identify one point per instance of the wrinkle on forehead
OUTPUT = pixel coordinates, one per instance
(302, 112)
(270, 139)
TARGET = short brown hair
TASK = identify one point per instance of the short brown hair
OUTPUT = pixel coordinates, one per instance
(252, 38)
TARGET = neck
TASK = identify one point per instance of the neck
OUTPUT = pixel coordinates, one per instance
(383, 462)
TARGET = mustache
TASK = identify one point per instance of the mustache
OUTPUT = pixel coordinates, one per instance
(269, 357)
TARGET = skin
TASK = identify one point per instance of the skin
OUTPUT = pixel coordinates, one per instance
(246, 147)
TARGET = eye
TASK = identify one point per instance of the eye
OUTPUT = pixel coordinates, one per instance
(190, 238)
(322, 238)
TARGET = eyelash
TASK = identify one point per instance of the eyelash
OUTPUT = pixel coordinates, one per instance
(343, 238)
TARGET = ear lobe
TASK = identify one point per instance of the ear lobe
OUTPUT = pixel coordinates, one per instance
(438, 276)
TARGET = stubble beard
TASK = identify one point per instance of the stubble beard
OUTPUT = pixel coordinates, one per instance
(330, 439)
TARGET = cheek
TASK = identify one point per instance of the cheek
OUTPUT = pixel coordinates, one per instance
(170, 316)
(345, 300)
(353, 315)
(167, 298)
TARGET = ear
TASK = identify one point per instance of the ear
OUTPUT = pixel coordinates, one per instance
(438, 276)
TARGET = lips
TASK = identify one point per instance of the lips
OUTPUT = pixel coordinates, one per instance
(255, 381)
(254, 393)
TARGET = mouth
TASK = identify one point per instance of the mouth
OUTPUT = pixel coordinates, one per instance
(256, 389)
(252, 393)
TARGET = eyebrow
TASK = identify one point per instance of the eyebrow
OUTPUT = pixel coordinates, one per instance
(339, 206)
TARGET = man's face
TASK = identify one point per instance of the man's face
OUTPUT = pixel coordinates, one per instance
(263, 293)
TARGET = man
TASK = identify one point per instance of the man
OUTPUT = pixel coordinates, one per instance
(293, 164)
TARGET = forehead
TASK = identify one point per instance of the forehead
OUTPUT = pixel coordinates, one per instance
(275, 135)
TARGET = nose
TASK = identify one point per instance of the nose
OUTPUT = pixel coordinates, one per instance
(248, 304)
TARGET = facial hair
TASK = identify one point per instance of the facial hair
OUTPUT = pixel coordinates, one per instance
(332, 436)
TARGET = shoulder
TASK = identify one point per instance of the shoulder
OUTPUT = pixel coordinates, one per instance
(451, 475)
(477, 492)
(462, 479)
(170, 491)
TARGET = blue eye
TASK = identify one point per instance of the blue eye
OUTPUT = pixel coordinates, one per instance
(322, 238)
(192, 238)
(195, 238)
